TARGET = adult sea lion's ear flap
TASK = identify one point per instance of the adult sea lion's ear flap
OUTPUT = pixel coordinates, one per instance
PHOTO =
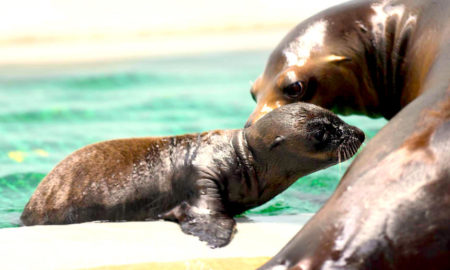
(333, 58)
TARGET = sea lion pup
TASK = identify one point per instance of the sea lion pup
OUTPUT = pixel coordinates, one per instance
(199, 180)
(388, 58)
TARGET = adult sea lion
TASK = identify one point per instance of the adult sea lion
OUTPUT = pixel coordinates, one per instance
(388, 58)
(199, 180)
(365, 57)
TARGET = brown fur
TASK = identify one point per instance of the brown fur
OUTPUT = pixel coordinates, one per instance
(198, 180)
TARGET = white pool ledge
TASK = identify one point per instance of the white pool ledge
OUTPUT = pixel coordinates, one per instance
(89, 245)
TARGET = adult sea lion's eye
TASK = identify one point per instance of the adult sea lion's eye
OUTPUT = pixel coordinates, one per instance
(294, 90)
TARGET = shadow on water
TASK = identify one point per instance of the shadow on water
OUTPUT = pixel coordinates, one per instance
(15, 191)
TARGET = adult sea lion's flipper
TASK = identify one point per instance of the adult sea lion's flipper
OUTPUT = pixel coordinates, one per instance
(205, 217)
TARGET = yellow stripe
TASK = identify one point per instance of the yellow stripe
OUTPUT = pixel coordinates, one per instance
(196, 264)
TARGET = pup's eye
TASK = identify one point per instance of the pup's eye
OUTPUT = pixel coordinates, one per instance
(294, 90)
(321, 135)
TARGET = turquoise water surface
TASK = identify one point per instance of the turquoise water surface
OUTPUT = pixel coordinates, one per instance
(47, 113)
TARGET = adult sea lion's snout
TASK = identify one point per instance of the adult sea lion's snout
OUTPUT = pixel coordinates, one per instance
(261, 109)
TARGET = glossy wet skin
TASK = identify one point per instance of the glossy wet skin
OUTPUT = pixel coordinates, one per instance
(338, 60)
(296, 140)
(307, 83)
(308, 66)
(391, 208)
(304, 131)
(198, 180)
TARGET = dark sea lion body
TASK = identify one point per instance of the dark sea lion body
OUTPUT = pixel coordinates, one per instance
(199, 180)
(391, 209)
(364, 57)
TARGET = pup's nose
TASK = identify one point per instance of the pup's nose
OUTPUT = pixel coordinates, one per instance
(360, 134)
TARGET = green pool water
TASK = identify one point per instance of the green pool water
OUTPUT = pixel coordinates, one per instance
(47, 113)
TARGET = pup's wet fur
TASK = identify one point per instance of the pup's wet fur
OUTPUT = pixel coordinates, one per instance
(198, 180)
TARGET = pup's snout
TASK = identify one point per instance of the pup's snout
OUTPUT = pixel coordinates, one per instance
(359, 134)
(352, 131)
(351, 139)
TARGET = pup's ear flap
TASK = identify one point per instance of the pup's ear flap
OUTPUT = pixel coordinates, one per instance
(332, 58)
(278, 140)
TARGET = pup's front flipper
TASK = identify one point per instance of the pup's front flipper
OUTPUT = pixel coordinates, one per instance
(205, 217)
(216, 229)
